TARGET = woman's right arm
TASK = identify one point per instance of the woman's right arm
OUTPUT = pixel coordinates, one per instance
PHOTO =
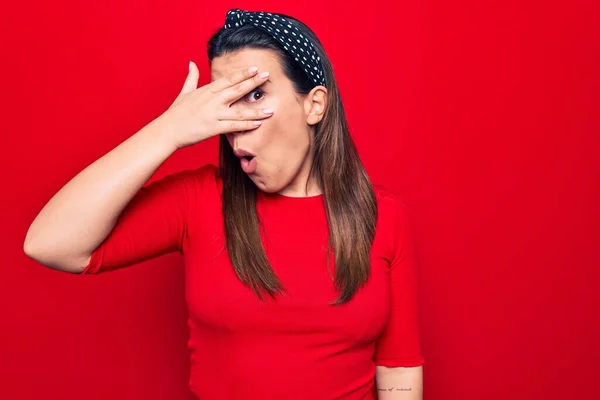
(81, 215)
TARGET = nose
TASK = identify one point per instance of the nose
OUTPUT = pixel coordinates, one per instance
(230, 136)
(233, 139)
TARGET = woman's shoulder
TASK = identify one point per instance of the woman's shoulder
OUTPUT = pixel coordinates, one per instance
(395, 219)
(208, 173)
(204, 174)
(193, 181)
(392, 210)
(206, 178)
(387, 199)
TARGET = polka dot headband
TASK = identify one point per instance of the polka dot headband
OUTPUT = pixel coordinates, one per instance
(293, 41)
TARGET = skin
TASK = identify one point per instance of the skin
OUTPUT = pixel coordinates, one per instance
(81, 215)
(400, 383)
(283, 144)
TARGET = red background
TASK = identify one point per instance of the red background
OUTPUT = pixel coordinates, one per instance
(482, 115)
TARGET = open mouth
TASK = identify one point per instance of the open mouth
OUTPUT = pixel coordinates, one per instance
(248, 163)
(243, 154)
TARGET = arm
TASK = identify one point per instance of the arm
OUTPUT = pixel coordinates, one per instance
(399, 383)
(83, 213)
(398, 356)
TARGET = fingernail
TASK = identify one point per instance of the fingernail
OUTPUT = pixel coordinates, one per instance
(252, 69)
(268, 110)
(258, 123)
(190, 66)
(263, 75)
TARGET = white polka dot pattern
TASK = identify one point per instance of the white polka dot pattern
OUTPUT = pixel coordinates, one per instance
(293, 41)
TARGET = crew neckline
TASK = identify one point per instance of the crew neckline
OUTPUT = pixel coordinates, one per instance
(282, 197)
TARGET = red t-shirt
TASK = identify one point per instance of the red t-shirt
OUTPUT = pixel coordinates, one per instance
(296, 346)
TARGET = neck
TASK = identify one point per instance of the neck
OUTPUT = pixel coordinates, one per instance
(303, 185)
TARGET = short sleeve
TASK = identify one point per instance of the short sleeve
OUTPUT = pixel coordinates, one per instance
(399, 345)
(155, 222)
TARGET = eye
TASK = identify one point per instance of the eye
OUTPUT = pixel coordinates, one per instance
(255, 95)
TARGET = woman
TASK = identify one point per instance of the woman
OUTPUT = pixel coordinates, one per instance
(300, 275)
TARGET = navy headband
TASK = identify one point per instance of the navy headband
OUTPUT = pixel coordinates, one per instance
(283, 30)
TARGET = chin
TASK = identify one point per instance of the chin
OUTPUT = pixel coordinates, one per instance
(265, 185)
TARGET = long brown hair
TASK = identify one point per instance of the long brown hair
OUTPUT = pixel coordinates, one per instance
(348, 194)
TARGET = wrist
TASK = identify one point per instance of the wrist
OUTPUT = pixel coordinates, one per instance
(163, 131)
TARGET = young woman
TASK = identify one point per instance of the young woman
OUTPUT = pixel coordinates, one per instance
(301, 277)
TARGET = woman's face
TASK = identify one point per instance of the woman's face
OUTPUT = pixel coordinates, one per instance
(282, 145)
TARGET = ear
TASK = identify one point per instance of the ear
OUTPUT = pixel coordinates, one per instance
(314, 105)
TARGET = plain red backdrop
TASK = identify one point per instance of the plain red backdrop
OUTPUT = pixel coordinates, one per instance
(482, 115)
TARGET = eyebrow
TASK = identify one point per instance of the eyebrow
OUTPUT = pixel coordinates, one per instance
(261, 85)
(268, 81)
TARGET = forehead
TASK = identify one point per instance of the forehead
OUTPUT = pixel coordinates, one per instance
(265, 60)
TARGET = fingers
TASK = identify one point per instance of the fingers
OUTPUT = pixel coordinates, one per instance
(233, 79)
(237, 126)
(233, 93)
(241, 114)
(191, 81)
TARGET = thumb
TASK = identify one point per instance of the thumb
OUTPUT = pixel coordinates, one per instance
(191, 81)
